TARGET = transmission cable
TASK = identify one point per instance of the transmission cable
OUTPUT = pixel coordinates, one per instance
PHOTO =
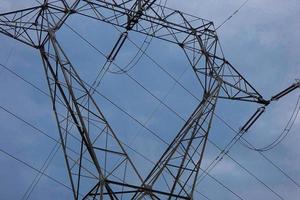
(162, 140)
(260, 153)
(55, 148)
(285, 132)
(234, 13)
(138, 57)
(243, 141)
(44, 167)
(35, 169)
(146, 42)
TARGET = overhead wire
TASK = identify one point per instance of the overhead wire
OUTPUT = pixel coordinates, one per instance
(35, 169)
(234, 13)
(43, 169)
(260, 153)
(147, 41)
(140, 154)
(243, 141)
(284, 133)
(136, 58)
(225, 152)
(253, 175)
(55, 148)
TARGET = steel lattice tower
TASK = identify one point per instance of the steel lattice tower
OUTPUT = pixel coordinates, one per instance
(98, 165)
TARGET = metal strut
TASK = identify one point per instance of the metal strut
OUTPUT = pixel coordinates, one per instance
(181, 161)
(97, 163)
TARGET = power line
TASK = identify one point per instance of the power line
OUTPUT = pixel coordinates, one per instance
(20, 77)
(234, 13)
(49, 158)
(29, 124)
(260, 153)
(44, 133)
(285, 132)
(144, 52)
(251, 173)
(38, 176)
(35, 169)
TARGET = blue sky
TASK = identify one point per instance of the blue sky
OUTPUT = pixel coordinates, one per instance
(261, 41)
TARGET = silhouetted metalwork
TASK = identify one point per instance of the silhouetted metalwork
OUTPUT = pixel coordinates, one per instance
(100, 168)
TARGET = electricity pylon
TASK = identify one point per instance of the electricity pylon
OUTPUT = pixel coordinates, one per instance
(97, 164)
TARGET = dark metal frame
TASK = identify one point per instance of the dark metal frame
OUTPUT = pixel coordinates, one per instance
(102, 169)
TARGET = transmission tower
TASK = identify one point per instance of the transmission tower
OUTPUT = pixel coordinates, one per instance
(97, 164)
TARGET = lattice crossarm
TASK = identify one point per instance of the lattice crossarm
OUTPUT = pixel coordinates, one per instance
(235, 86)
(31, 25)
(23, 25)
(157, 21)
(208, 62)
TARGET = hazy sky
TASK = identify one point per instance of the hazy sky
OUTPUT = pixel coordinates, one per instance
(261, 41)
